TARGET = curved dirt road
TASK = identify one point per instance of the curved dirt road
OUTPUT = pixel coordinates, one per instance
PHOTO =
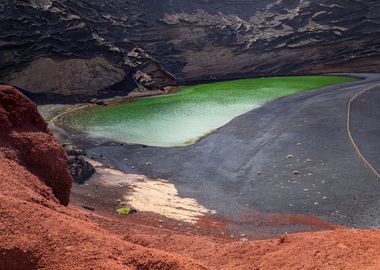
(245, 166)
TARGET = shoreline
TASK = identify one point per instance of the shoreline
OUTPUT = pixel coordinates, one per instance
(117, 100)
(138, 164)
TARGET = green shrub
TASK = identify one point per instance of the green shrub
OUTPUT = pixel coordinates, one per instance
(124, 211)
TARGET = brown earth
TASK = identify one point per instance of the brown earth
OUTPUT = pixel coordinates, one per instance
(39, 233)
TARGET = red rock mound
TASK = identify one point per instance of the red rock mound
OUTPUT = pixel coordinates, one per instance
(25, 138)
(36, 232)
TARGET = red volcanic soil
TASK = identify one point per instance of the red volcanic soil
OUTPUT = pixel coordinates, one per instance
(25, 138)
(38, 232)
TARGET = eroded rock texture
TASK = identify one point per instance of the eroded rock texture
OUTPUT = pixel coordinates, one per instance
(163, 42)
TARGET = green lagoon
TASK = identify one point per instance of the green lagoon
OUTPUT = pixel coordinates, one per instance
(184, 117)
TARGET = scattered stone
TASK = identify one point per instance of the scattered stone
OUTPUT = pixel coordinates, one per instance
(123, 204)
(97, 102)
(258, 172)
(295, 172)
(72, 150)
(148, 163)
(308, 160)
(160, 221)
(90, 208)
(282, 239)
(290, 156)
(80, 169)
(299, 144)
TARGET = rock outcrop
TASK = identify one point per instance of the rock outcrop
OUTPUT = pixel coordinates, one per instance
(26, 140)
(67, 77)
(80, 168)
(161, 43)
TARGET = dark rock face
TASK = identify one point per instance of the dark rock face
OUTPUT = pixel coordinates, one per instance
(164, 42)
(81, 170)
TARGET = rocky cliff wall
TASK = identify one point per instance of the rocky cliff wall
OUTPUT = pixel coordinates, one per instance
(93, 45)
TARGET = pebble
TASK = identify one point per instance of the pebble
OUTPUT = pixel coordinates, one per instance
(290, 156)
(160, 221)
(90, 208)
(295, 172)
(148, 163)
(258, 172)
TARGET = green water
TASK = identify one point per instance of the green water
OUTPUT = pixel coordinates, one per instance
(184, 117)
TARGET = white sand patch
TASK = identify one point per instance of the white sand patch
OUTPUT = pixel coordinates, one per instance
(157, 196)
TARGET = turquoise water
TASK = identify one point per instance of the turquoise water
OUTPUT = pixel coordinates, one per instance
(184, 117)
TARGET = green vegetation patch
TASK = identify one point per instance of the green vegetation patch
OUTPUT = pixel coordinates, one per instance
(124, 211)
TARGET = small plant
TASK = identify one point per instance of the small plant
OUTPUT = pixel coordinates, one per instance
(126, 211)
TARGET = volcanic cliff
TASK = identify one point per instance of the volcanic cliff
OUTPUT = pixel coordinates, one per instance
(81, 47)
